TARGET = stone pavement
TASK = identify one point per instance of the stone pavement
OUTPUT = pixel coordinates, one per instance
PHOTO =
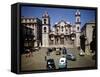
(37, 61)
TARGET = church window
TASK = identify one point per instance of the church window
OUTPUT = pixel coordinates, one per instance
(44, 21)
(77, 19)
(45, 29)
(51, 36)
(62, 28)
(77, 28)
(57, 40)
(57, 30)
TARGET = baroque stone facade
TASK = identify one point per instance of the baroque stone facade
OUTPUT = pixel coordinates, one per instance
(63, 33)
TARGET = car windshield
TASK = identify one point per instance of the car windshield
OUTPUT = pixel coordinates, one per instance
(50, 61)
(62, 60)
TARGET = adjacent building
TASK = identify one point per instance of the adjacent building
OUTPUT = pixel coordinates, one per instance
(36, 25)
(88, 32)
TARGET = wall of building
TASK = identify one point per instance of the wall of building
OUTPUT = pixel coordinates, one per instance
(87, 31)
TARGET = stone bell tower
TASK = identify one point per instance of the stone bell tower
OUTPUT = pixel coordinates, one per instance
(45, 29)
(77, 28)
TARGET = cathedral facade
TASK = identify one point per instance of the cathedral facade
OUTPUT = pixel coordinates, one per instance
(62, 33)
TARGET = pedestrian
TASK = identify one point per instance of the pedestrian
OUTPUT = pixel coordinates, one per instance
(82, 42)
(64, 50)
(45, 58)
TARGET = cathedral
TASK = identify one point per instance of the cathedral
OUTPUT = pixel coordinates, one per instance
(62, 33)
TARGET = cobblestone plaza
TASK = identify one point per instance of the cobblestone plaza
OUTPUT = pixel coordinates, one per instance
(37, 60)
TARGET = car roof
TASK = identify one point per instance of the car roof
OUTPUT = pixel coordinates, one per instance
(62, 58)
(50, 60)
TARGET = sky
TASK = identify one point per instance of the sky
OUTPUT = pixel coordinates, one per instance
(58, 14)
